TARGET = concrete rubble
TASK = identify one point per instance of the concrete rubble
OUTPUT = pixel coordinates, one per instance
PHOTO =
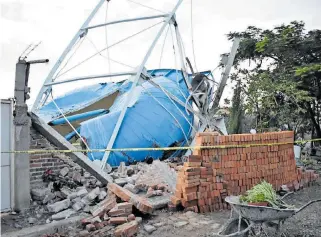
(72, 191)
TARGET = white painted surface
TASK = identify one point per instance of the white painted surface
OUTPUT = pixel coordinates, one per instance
(297, 152)
(5, 161)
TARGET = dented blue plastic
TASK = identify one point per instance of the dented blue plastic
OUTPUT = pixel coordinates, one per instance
(152, 119)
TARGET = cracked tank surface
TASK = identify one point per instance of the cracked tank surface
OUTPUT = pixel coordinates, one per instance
(151, 120)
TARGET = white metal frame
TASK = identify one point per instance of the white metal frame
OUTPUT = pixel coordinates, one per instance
(135, 81)
(49, 82)
(45, 91)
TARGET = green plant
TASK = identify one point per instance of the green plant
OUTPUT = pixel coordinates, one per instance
(262, 192)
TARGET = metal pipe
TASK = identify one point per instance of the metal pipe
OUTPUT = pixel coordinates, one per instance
(124, 21)
(180, 49)
(38, 61)
(116, 74)
(72, 134)
(40, 100)
(76, 117)
(225, 74)
(135, 81)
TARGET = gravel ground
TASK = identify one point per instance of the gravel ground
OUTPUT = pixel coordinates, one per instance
(306, 223)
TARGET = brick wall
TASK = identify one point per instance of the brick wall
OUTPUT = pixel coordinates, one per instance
(212, 174)
(41, 161)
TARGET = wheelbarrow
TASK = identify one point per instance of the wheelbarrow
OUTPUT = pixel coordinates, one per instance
(262, 215)
(235, 228)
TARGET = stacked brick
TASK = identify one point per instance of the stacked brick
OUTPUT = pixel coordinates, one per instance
(212, 174)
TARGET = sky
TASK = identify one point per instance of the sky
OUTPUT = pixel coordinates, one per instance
(54, 23)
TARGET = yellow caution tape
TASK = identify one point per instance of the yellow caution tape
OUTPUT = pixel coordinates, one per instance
(162, 148)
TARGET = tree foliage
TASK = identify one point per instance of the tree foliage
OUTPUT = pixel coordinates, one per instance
(280, 69)
(236, 111)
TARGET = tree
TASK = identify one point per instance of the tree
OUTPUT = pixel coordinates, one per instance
(236, 114)
(281, 82)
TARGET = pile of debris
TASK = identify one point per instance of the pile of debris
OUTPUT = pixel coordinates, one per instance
(141, 188)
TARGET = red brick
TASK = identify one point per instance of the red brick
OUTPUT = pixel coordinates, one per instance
(126, 230)
(190, 196)
(118, 220)
(194, 158)
(175, 201)
(105, 206)
(140, 203)
(192, 164)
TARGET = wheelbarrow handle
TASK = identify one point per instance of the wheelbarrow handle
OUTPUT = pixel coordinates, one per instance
(286, 195)
(308, 204)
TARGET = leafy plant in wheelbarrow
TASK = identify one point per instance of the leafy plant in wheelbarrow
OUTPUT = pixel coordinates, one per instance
(263, 194)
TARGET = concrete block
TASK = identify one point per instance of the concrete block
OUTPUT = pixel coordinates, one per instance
(93, 194)
(82, 192)
(48, 198)
(59, 206)
(149, 228)
(64, 171)
(131, 188)
(39, 194)
(78, 206)
(102, 195)
(63, 215)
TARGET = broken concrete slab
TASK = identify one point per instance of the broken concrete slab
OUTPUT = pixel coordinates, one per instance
(121, 181)
(39, 194)
(76, 176)
(48, 198)
(122, 171)
(102, 195)
(149, 228)
(78, 206)
(131, 188)
(155, 174)
(63, 215)
(59, 206)
(64, 171)
(72, 195)
(58, 140)
(65, 192)
(93, 194)
(158, 202)
(82, 192)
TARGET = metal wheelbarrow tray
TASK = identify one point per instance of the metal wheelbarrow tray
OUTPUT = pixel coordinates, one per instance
(263, 214)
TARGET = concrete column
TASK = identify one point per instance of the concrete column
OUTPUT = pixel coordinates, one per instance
(22, 123)
(21, 175)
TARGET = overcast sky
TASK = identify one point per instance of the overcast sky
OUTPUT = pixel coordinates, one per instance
(54, 22)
